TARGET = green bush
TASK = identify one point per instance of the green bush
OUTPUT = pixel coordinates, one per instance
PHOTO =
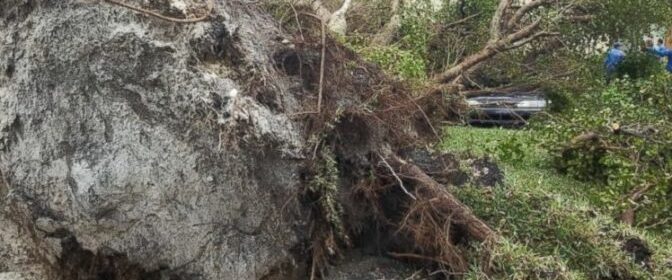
(620, 136)
(549, 226)
(416, 27)
(402, 63)
(639, 65)
(559, 100)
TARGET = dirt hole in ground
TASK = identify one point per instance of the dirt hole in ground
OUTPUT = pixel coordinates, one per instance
(299, 64)
(639, 251)
(289, 61)
(487, 173)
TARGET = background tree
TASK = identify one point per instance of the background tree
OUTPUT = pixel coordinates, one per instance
(461, 36)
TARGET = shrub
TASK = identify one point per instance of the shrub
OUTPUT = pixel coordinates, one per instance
(402, 63)
(620, 136)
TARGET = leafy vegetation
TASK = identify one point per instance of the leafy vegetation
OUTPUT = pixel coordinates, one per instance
(620, 137)
(640, 66)
(324, 185)
(551, 227)
(405, 64)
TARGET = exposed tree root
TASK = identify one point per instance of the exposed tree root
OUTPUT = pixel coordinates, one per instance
(433, 220)
(361, 118)
(442, 201)
(210, 7)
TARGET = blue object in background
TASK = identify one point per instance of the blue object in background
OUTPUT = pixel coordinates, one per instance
(614, 57)
(664, 52)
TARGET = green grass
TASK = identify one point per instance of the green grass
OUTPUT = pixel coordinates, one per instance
(519, 155)
(553, 225)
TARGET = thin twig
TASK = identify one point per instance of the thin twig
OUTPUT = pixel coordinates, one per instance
(661, 222)
(317, 146)
(298, 22)
(210, 7)
(284, 207)
(298, 114)
(414, 275)
(424, 115)
(401, 183)
(461, 21)
(322, 60)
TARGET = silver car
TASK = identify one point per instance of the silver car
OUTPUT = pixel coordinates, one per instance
(505, 108)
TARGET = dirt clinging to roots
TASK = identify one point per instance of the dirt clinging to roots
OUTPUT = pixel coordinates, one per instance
(357, 182)
(368, 120)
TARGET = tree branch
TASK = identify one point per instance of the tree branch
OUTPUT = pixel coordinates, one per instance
(525, 9)
(317, 6)
(492, 48)
(391, 28)
(336, 21)
(496, 23)
(531, 38)
(461, 21)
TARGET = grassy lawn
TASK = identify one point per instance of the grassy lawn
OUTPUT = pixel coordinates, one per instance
(525, 164)
(553, 225)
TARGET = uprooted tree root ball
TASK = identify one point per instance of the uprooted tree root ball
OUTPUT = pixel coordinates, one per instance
(206, 139)
(358, 120)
